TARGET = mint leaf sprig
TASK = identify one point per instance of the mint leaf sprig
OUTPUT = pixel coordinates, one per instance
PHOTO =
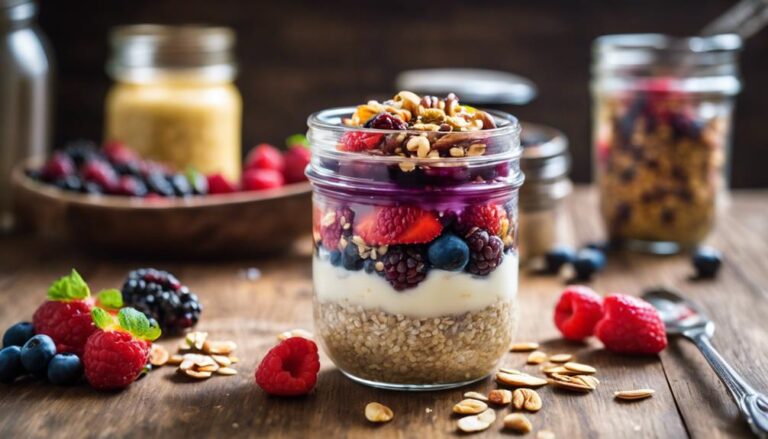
(67, 288)
(128, 320)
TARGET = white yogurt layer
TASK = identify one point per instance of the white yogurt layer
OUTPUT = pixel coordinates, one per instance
(441, 293)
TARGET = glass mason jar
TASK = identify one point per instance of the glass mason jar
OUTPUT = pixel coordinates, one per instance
(384, 315)
(661, 128)
(174, 99)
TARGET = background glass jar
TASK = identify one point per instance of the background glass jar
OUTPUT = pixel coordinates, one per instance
(661, 128)
(174, 100)
(388, 311)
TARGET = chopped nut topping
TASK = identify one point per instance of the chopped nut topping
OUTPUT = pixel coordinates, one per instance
(517, 422)
(376, 412)
(631, 395)
(500, 396)
(471, 424)
(527, 399)
(469, 407)
(524, 347)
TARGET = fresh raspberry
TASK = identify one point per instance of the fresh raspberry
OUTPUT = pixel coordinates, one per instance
(577, 312)
(101, 173)
(114, 359)
(218, 184)
(290, 368)
(486, 252)
(405, 266)
(131, 186)
(296, 160)
(333, 227)
(386, 121)
(356, 141)
(399, 225)
(68, 323)
(119, 154)
(265, 156)
(259, 179)
(484, 216)
(59, 166)
(631, 326)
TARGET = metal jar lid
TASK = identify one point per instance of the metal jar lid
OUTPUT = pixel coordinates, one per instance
(545, 163)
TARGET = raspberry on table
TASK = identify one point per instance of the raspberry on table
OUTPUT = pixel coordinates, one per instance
(405, 266)
(290, 368)
(631, 326)
(577, 312)
(69, 324)
(486, 252)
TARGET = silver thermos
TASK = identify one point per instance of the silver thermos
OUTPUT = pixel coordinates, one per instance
(25, 98)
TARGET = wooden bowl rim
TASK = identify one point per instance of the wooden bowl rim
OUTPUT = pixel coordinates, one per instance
(21, 179)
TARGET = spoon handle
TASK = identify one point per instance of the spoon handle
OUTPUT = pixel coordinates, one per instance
(753, 405)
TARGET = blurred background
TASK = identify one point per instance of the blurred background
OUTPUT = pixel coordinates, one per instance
(301, 56)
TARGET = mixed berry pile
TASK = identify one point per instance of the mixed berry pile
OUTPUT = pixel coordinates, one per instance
(115, 169)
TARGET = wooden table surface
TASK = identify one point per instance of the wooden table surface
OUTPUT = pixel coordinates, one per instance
(689, 399)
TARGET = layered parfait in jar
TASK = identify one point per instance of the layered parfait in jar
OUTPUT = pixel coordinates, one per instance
(415, 224)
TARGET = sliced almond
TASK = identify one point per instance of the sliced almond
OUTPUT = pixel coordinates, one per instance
(520, 380)
(196, 339)
(233, 359)
(558, 370)
(569, 383)
(226, 371)
(480, 422)
(631, 395)
(510, 371)
(527, 399)
(579, 367)
(222, 360)
(476, 395)
(303, 333)
(587, 380)
(537, 357)
(561, 358)
(209, 368)
(500, 396)
(517, 422)
(523, 347)
(376, 412)
(198, 375)
(219, 347)
(186, 365)
(158, 356)
(175, 360)
(469, 407)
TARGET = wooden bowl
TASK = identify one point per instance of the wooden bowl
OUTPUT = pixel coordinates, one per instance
(239, 224)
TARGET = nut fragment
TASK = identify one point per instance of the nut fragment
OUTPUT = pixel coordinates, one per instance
(175, 359)
(476, 149)
(158, 356)
(476, 395)
(527, 399)
(469, 407)
(537, 357)
(222, 360)
(520, 380)
(500, 396)
(198, 375)
(228, 371)
(303, 333)
(196, 339)
(588, 380)
(580, 368)
(376, 412)
(471, 424)
(517, 422)
(219, 347)
(417, 142)
(631, 395)
(407, 166)
(456, 152)
(510, 371)
(570, 383)
(561, 358)
(523, 347)
(549, 370)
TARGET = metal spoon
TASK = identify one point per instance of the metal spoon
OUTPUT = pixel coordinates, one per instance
(685, 318)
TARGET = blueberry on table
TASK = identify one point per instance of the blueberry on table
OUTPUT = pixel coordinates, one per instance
(707, 262)
(18, 334)
(10, 364)
(65, 369)
(448, 252)
(37, 353)
(558, 256)
(588, 262)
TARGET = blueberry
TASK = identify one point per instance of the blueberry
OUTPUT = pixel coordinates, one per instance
(335, 258)
(350, 258)
(37, 353)
(707, 261)
(588, 261)
(369, 266)
(18, 334)
(181, 186)
(558, 256)
(10, 364)
(157, 183)
(448, 252)
(65, 369)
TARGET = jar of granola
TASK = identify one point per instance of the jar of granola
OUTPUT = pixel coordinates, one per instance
(661, 126)
(415, 230)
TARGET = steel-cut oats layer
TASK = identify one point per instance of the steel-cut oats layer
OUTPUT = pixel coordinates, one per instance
(396, 349)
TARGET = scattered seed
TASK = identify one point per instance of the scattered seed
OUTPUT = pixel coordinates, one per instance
(233, 359)
(376, 412)
(524, 347)
(559, 370)
(520, 380)
(227, 371)
(471, 424)
(470, 407)
(197, 339)
(175, 360)
(569, 383)
(222, 360)
(537, 357)
(561, 358)
(510, 371)
(631, 395)
(500, 396)
(527, 399)
(186, 365)
(219, 347)
(587, 380)
(198, 375)
(580, 368)
(158, 356)
(476, 395)
(517, 422)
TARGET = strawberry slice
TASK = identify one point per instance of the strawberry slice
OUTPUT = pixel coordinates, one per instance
(356, 141)
(399, 225)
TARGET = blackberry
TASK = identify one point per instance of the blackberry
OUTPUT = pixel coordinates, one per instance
(161, 296)
(81, 151)
(485, 252)
(405, 266)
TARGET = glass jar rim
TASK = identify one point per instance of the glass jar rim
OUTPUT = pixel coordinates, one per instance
(663, 42)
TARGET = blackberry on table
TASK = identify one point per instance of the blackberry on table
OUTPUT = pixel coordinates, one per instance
(405, 266)
(485, 252)
(161, 296)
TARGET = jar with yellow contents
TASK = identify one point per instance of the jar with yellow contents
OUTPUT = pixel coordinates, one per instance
(174, 99)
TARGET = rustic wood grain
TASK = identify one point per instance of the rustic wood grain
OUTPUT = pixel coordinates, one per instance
(690, 401)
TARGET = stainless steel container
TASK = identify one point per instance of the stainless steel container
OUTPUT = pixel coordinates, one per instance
(25, 100)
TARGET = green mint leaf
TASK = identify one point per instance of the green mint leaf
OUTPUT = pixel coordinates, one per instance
(111, 298)
(297, 140)
(71, 287)
(153, 333)
(137, 324)
(102, 319)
